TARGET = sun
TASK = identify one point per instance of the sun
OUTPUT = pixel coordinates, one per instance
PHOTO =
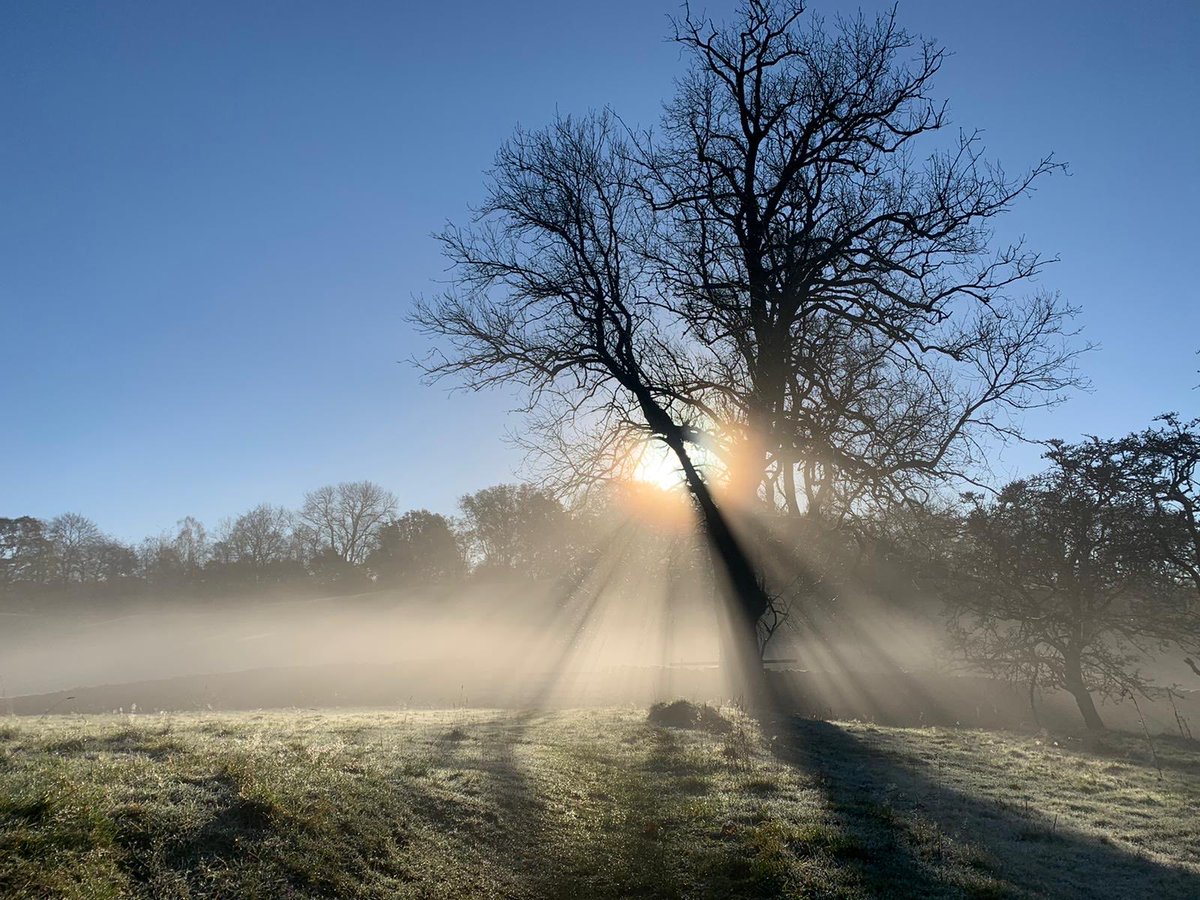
(657, 466)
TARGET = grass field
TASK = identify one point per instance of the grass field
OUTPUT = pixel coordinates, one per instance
(590, 804)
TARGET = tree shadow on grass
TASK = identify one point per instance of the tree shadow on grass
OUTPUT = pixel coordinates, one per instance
(552, 813)
(920, 838)
(529, 809)
(645, 820)
(583, 825)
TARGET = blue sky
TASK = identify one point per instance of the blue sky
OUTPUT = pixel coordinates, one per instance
(215, 215)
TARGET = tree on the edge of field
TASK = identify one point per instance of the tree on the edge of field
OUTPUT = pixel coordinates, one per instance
(553, 297)
(1166, 459)
(345, 518)
(1060, 580)
(419, 547)
(26, 553)
(192, 545)
(175, 560)
(258, 540)
(514, 528)
(76, 540)
(776, 279)
(853, 306)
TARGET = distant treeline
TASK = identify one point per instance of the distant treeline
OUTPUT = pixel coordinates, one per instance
(348, 536)
(1071, 578)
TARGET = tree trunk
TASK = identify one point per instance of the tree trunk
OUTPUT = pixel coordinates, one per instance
(741, 653)
(1073, 681)
(748, 598)
(741, 658)
(1087, 706)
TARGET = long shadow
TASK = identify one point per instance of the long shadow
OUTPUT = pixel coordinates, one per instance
(606, 849)
(584, 824)
(622, 839)
(608, 843)
(510, 822)
(887, 807)
(606, 857)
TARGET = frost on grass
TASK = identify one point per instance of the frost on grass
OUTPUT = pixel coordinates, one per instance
(596, 803)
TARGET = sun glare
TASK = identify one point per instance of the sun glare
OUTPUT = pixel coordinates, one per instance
(657, 466)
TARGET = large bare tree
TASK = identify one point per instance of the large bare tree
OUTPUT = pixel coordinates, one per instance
(776, 277)
(833, 253)
(555, 293)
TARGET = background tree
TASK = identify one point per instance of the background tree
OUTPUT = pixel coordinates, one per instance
(260, 543)
(116, 563)
(259, 537)
(515, 528)
(333, 573)
(420, 547)
(26, 553)
(160, 563)
(345, 518)
(1061, 582)
(176, 560)
(77, 542)
(192, 545)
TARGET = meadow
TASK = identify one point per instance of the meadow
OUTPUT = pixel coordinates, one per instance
(591, 803)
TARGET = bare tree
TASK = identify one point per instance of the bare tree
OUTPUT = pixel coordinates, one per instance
(175, 559)
(191, 543)
(257, 539)
(859, 329)
(555, 295)
(76, 540)
(345, 518)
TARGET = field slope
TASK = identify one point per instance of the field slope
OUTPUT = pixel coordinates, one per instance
(597, 803)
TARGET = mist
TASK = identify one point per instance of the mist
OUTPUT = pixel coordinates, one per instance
(629, 632)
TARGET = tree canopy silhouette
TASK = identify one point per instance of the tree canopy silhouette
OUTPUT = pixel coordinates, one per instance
(1062, 581)
(775, 276)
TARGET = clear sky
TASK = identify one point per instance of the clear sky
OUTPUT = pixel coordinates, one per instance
(213, 217)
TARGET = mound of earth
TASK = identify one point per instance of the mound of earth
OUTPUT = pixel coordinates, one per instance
(684, 714)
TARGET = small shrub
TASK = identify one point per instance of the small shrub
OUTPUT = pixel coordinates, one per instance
(684, 714)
